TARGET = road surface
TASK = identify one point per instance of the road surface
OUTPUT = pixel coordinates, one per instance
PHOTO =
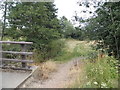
(12, 79)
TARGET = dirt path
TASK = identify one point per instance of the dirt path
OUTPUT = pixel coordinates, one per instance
(59, 79)
(62, 77)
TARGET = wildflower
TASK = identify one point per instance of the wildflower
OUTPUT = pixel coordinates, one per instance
(116, 67)
(103, 84)
(95, 83)
(88, 83)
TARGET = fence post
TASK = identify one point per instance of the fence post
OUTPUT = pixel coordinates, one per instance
(23, 57)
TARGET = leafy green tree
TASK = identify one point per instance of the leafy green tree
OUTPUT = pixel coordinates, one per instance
(106, 27)
(33, 21)
(67, 28)
(79, 33)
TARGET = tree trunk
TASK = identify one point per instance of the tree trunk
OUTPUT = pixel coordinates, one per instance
(4, 21)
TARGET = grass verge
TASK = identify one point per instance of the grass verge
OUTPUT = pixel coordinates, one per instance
(101, 74)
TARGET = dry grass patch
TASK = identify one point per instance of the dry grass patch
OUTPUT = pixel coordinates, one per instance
(45, 69)
(79, 76)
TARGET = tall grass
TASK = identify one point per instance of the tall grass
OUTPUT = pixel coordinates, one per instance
(83, 50)
(79, 50)
(102, 73)
(96, 72)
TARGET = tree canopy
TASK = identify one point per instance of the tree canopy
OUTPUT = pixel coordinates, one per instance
(105, 26)
(36, 22)
(33, 21)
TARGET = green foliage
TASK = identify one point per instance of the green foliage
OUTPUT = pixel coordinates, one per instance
(79, 33)
(95, 72)
(56, 48)
(102, 74)
(105, 27)
(80, 50)
(9, 47)
(53, 50)
(67, 29)
(36, 22)
(33, 22)
(64, 56)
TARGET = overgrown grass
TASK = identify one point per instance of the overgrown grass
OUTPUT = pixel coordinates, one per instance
(80, 49)
(65, 49)
(96, 72)
(63, 57)
(101, 74)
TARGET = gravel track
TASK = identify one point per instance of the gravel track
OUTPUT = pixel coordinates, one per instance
(58, 79)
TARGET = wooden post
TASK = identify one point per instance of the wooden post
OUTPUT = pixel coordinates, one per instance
(23, 56)
(1, 55)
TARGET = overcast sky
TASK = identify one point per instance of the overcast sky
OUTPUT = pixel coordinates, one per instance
(67, 8)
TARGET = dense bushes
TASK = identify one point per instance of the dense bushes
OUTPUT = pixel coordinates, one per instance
(53, 50)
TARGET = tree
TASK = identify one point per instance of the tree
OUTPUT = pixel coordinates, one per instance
(106, 27)
(67, 29)
(33, 21)
(3, 8)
